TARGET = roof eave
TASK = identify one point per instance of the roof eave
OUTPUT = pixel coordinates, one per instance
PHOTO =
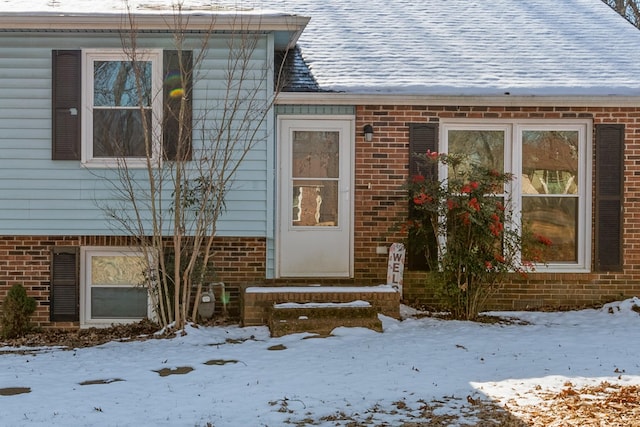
(234, 22)
(341, 98)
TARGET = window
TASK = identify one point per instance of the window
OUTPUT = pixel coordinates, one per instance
(122, 108)
(551, 190)
(98, 106)
(113, 288)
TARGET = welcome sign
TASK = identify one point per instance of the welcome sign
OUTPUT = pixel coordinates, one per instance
(395, 269)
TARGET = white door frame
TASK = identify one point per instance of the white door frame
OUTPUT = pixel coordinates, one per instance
(347, 147)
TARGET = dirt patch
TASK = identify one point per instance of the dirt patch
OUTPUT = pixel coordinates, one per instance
(69, 339)
(97, 382)
(483, 318)
(219, 362)
(12, 391)
(233, 341)
(181, 370)
(277, 347)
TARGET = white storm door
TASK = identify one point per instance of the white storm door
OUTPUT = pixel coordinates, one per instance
(315, 198)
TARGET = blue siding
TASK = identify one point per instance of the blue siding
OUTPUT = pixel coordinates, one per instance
(40, 196)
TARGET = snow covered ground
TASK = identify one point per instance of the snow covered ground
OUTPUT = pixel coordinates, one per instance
(416, 370)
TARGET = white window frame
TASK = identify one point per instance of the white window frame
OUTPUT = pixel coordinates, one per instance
(86, 253)
(513, 163)
(89, 56)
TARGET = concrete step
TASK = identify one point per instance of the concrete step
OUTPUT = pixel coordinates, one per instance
(321, 318)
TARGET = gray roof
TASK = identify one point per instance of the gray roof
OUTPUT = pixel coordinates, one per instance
(469, 47)
(295, 75)
(431, 47)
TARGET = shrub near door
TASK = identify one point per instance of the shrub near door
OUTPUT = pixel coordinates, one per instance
(467, 217)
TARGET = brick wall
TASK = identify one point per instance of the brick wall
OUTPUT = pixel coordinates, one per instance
(382, 168)
(26, 260)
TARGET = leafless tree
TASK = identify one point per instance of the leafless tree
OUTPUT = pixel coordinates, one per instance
(630, 9)
(172, 205)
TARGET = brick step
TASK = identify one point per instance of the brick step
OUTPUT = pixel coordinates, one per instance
(257, 301)
(321, 318)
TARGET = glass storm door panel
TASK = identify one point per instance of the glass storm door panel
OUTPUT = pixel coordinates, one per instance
(315, 201)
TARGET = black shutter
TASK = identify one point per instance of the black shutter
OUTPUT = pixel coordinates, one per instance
(178, 83)
(64, 304)
(609, 196)
(65, 95)
(422, 137)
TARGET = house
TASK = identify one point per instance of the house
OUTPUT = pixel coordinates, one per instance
(535, 88)
(85, 86)
(540, 87)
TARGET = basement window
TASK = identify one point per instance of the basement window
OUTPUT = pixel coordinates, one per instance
(113, 286)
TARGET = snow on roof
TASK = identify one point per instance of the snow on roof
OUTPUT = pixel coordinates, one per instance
(149, 15)
(469, 47)
(135, 6)
(438, 47)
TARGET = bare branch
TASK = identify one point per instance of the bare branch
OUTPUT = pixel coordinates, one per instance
(173, 204)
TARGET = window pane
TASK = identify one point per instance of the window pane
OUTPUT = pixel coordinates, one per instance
(118, 303)
(121, 270)
(549, 162)
(119, 133)
(557, 219)
(482, 147)
(115, 84)
(315, 154)
(315, 203)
